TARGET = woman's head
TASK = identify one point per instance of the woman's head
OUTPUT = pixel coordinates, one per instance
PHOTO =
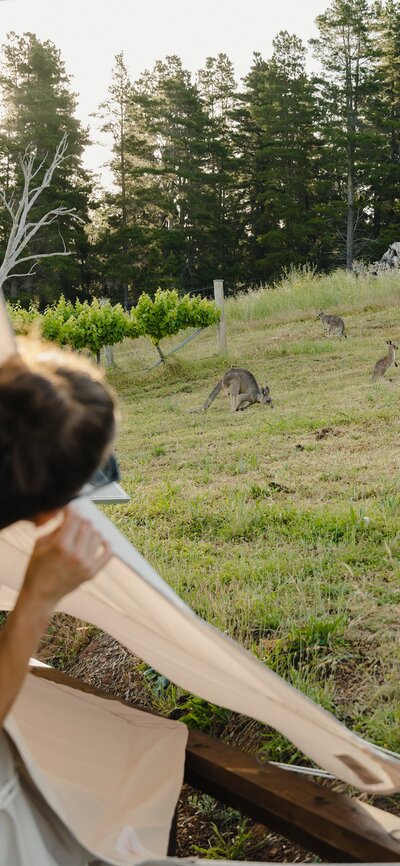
(57, 423)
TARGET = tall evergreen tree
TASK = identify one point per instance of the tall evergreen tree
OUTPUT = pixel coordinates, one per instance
(383, 163)
(218, 91)
(279, 155)
(171, 185)
(113, 241)
(345, 51)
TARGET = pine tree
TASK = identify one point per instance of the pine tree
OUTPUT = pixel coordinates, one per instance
(344, 48)
(113, 241)
(218, 91)
(279, 155)
(384, 116)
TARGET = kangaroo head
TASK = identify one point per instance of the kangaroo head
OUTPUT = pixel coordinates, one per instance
(389, 343)
(265, 396)
(321, 314)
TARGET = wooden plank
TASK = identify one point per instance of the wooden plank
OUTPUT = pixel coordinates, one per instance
(324, 821)
(332, 825)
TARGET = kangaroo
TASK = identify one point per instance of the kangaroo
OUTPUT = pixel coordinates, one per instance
(242, 388)
(382, 366)
(334, 324)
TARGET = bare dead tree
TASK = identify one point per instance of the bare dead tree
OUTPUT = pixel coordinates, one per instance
(22, 230)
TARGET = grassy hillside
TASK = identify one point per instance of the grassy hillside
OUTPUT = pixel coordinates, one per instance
(280, 526)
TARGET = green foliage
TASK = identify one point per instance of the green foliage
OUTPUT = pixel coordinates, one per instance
(200, 714)
(22, 319)
(95, 325)
(239, 845)
(86, 326)
(167, 314)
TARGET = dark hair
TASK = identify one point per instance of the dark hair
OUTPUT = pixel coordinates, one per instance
(57, 419)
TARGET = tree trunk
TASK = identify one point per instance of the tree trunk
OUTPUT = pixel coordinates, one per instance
(350, 217)
(160, 352)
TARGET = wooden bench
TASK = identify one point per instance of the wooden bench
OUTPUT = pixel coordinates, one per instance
(334, 826)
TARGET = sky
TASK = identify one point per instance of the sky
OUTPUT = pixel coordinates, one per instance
(89, 33)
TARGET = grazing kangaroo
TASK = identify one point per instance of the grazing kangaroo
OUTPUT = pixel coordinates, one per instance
(382, 366)
(242, 388)
(334, 324)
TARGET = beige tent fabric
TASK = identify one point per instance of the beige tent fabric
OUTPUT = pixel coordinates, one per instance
(111, 773)
(131, 602)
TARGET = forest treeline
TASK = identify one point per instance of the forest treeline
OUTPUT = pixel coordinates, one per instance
(215, 178)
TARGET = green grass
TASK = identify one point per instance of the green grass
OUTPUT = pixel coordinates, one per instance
(302, 293)
(280, 526)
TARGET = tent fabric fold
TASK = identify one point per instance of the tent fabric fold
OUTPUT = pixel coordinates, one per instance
(112, 774)
(130, 601)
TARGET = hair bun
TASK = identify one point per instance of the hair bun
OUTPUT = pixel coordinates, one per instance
(56, 421)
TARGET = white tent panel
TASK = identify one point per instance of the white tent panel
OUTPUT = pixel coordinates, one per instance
(111, 773)
(131, 602)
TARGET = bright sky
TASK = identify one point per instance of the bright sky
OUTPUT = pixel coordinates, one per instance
(90, 32)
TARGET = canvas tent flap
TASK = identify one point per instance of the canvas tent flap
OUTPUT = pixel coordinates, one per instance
(133, 604)
(112, 774)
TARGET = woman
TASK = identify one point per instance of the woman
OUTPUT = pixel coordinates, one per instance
(57, 424)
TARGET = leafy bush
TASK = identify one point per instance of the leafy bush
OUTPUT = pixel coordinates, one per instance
(95, 325)
(22, 319)
(167, 314)
(86, 326)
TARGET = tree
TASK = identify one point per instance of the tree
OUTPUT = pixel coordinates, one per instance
(114, 113)
(218, 91)
(86, 326)
(39, 108)
(37, 179)
(166, 314)
(279, 155)
(134, 245)
(383, 162)
(344, 48)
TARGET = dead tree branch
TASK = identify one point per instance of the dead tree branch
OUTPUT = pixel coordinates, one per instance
(22, 231)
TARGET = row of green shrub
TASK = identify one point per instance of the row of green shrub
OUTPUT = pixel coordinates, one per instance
(95, 325)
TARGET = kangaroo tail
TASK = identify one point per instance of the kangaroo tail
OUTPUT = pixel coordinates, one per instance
(214, 393)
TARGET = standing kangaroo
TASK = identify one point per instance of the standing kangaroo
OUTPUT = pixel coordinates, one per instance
(382, 366)
(242, 388)
(334, 324)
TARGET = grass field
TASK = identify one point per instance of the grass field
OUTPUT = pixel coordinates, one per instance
(280, 526)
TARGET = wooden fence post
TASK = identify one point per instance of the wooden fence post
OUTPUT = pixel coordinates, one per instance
(221, 327)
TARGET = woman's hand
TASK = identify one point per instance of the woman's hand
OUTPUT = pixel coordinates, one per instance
(64, 559)
(60, 562)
